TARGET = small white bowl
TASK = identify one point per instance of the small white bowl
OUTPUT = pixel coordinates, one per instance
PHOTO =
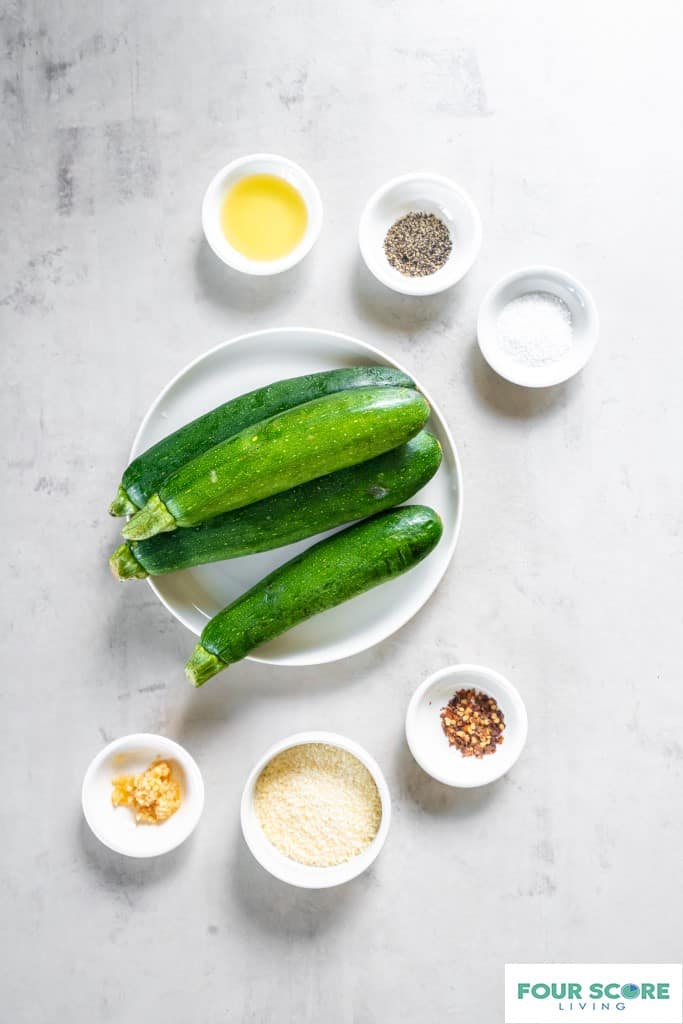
(420, 193)
(585, 325)
(260, 163)
(115, 826)
(429, 745)
(290, 871)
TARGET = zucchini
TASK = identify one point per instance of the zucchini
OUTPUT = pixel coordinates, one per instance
(276, 454)
(332, 571)
(145, 474)
(310, 508)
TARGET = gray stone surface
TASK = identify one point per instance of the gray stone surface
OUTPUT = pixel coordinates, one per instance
(565, 128)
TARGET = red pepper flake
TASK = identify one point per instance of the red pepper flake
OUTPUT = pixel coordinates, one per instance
(473, 722)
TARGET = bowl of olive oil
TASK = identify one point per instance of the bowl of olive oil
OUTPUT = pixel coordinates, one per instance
(261, 214)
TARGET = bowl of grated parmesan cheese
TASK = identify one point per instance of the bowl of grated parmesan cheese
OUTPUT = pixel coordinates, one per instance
(315, 810)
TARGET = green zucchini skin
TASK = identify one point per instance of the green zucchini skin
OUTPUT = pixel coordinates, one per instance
(298, 445)
(310, 508)
(145, 474)
(332, 571)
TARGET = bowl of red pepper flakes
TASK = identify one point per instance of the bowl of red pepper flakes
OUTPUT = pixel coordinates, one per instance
(466, 725)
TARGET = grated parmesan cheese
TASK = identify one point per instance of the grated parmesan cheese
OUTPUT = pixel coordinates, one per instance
(317, 804)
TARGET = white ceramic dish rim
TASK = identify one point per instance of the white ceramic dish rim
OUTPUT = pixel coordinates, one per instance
(277, 864)
(453, 671)
(372, 351)
(430, 285)
(231, 256)
(486, 333)
(170, 749)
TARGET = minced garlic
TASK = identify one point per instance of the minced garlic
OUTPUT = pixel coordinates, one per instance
(318, 804)
(153, 796)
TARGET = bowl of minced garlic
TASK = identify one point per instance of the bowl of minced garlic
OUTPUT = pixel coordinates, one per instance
(316, 810)
(143, 795)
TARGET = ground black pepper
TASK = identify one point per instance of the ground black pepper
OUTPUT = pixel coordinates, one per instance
(418, 244)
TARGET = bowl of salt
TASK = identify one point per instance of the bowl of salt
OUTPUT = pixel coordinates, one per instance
(537, 327)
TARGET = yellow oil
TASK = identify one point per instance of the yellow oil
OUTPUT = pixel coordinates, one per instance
(263, 217)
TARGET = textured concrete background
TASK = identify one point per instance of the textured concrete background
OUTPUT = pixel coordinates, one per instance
(565, 127)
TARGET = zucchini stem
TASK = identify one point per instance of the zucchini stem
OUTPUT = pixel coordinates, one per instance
(202, 665)
(122, 505)
(125, 566)
(148, 521)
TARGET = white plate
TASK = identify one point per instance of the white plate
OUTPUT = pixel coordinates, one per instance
(195, 595)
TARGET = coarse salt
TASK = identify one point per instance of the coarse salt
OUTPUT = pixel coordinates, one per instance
(318, 804)
(535, 329)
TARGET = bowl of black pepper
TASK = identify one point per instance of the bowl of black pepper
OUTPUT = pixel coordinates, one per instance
(419, 234)
(466, 725)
